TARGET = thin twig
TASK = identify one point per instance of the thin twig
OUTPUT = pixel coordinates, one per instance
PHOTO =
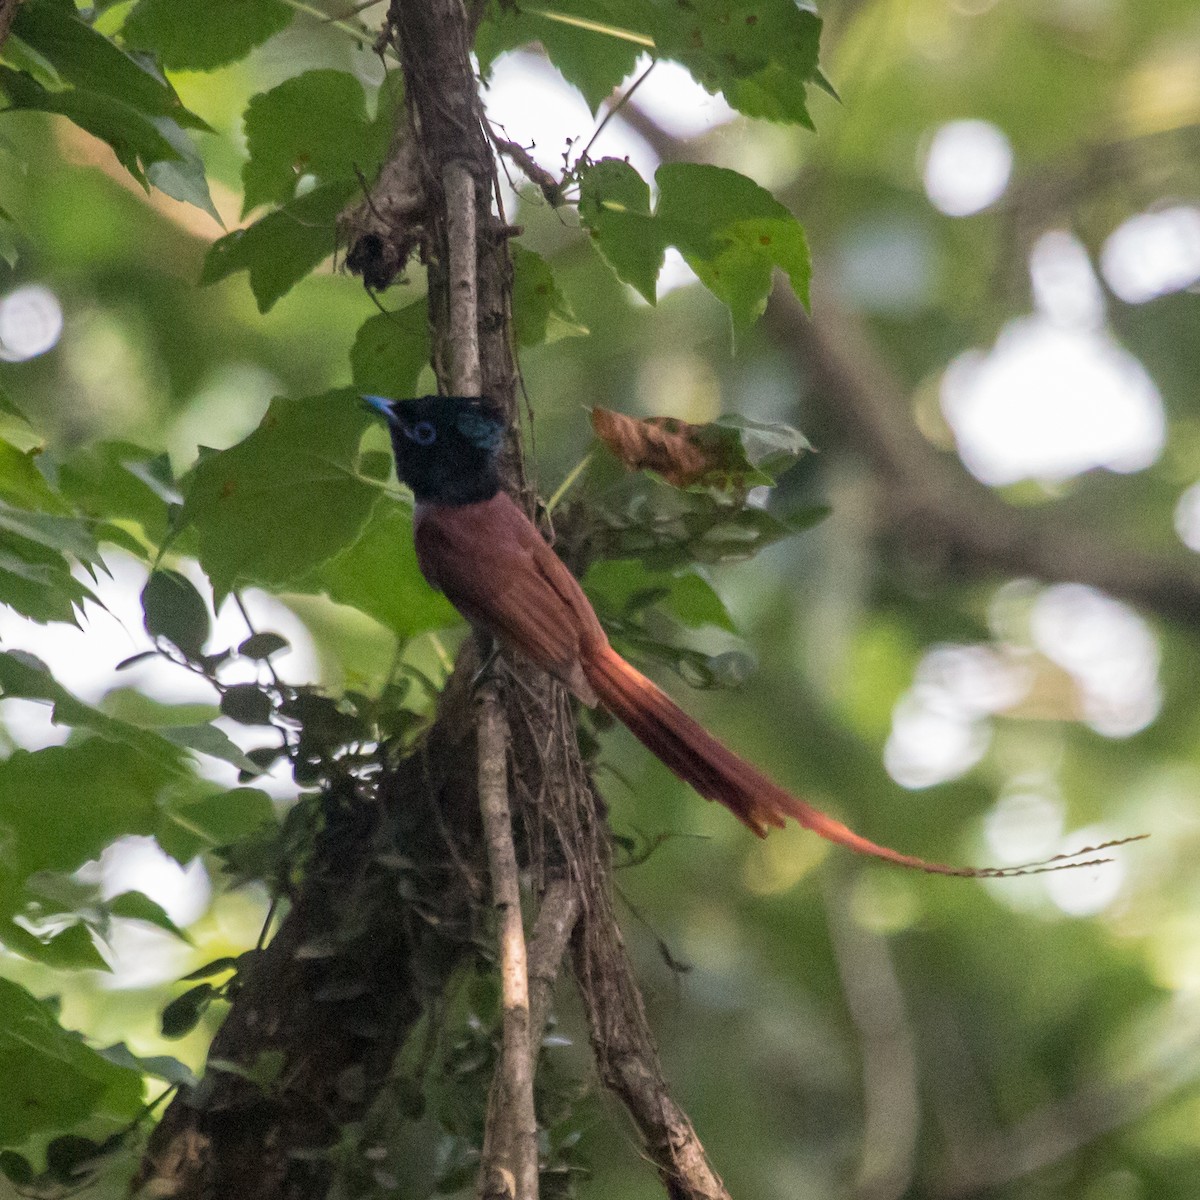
(616, 108)
(627, 1059)
(571, 477)
(550, 186)
(360, 33)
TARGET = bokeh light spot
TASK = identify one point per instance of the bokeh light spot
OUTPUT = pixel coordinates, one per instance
(1153, 254)
(31, 322)
(1048, 402)
(967, 167)
(1065, 287)
(1084, 891)
(1109, 650)
(1187, 518)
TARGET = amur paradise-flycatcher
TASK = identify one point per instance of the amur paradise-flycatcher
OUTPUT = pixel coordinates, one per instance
(477, 547)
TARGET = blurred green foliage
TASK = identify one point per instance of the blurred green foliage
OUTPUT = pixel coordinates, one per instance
(833, 1028)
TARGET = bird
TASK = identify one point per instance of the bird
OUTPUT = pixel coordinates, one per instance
(476, 546)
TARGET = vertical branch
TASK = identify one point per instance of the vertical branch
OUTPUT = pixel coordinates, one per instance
(626, 1056)
(510, 1162)
(509, 1166)
(466, 377)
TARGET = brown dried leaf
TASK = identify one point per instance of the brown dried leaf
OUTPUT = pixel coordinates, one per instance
(662, 444)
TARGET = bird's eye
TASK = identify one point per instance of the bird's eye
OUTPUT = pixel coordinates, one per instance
(423, 433)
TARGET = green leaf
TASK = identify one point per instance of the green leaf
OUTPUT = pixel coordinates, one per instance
(626, 587)
(312, 124)
(731, 455)
(161, 1066)
(184, 725)
(134, 137)
(698, 668)
(53, 1080)
(218, 966)
(68, 1158)
(768, 448)
(86, 58)
(121, 481)
(267, 1068)
(183, 177)
(183, 1014)
(281, 248)
(275, 506)
(35, 574)
(74, 949)
(379, 575)
(643, 611)
(390, 351)
(248, 704)
(23, 57)
(758, 53)
(24, 677)
(198, 818)
(732, 234)
(57, 893)
(201, 37)
(64, 535)
(38, 583)
(173, 609)
(135, 906)
(16, 1168)
(8, 406)
(62, 805)
(260, 646)
(540, 310)
(640, 516)
(591, 61)
(216, 743)
(23, 485)
(614, 207)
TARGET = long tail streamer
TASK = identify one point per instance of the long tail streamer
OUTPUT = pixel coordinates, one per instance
(693, 754)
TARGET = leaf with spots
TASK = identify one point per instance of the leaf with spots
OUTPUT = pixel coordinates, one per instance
(733, 234)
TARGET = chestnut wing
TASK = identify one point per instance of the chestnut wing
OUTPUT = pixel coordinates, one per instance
(494, 567)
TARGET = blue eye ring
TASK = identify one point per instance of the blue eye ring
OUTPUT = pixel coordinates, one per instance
(424, 433)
